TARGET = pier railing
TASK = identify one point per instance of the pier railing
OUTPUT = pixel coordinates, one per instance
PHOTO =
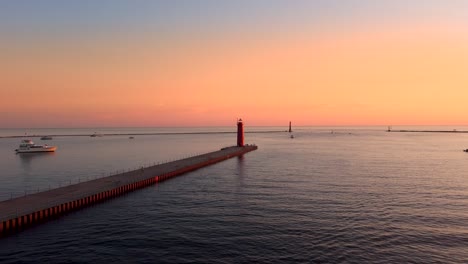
(29, 208)
(5, 196)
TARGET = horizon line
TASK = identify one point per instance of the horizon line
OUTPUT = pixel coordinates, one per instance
(207, 126)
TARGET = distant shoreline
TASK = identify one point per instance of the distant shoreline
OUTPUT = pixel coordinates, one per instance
(429, 131)
(141, 134)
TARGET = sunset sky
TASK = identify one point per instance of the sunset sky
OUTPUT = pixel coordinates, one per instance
(149, 63)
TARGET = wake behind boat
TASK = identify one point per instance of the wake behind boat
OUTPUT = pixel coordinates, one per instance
(28, 146)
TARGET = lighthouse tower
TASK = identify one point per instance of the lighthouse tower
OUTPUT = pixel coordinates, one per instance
(240, 133)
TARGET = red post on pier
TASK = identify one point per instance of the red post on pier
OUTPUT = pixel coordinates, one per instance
(240, 133)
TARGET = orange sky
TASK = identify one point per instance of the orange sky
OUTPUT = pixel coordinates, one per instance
(393, 75)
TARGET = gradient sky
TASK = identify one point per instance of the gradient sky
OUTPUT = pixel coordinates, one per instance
(69, 63)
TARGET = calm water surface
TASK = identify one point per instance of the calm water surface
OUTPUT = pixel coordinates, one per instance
(359, 195)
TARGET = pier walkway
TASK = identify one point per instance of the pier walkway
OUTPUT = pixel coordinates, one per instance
(19, 213)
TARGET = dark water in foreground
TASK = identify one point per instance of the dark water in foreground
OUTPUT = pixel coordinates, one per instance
(364, 197)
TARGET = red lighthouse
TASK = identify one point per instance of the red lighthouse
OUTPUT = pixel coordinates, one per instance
(240, 133)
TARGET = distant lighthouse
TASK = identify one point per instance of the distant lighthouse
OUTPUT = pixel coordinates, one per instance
(290, 130)
(240, 133)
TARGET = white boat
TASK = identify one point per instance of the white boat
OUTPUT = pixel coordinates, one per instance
(28, 146)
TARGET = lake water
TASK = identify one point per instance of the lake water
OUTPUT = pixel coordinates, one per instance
(357, 195)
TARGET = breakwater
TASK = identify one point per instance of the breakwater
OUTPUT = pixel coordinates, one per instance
(429, 131)
(23, 212)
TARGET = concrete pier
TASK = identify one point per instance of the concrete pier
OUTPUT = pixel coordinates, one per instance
(20, 213)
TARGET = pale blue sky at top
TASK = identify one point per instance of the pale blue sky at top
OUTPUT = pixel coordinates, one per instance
(57, 17)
